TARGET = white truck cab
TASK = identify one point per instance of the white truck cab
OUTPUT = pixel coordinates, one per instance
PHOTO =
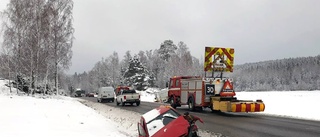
(105, 94)
(128, 96)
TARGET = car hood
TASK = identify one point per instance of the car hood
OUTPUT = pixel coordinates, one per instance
(176, 127)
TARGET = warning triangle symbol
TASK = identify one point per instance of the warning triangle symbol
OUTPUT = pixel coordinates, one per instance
(227, 85)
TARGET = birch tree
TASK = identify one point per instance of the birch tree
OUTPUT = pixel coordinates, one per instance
(14, 32)
(38, 35)
(60, 12)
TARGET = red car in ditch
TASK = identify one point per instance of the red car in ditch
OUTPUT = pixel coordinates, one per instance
(165, 121)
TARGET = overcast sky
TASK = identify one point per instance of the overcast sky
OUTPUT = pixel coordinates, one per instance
(259, 30)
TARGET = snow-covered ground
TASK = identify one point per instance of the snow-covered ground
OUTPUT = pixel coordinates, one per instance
(51, 116)
(294, 104)
(24, 116)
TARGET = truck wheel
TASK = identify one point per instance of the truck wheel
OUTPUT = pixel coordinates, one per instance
(191, 104)
(122, 103)
(137, 103)
(172, 103)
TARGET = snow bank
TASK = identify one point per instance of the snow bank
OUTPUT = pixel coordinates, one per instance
(154, 94)
(6, 90)
(294, 104)
(126, 119)
(147, 97)
(24, 116)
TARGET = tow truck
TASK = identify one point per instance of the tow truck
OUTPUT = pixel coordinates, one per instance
(214, 90)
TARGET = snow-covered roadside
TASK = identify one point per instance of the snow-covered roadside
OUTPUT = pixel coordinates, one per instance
(51, 116)
(127, 119)
(24, 116)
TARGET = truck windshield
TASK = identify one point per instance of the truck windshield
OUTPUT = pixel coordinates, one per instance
(128, 91)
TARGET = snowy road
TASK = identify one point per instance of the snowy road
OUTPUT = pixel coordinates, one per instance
(243, 125)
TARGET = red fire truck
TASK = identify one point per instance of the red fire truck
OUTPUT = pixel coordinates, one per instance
(215, 91)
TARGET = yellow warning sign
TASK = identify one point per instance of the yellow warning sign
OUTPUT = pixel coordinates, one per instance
(218, 59)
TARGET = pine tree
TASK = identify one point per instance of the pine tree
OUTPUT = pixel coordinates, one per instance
(136, 74)
(166, 49)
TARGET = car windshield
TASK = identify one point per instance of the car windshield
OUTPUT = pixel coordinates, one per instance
(160, 121)
(80, 91)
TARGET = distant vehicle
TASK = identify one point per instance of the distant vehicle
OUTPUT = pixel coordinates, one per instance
(79, 93)
(90, 94)
(128, 96)
(165, 121)
(105, 94)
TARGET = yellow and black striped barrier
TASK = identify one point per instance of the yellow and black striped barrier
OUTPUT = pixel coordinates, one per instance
(238, 106)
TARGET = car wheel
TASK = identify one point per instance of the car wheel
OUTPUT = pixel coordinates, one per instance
(117, 103)
(138, 103)
(98, 100)
(122, 103)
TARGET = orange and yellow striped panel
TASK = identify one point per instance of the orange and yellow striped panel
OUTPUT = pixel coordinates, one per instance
(247, 107)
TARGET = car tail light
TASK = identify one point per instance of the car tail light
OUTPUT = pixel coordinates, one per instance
(124, 97)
